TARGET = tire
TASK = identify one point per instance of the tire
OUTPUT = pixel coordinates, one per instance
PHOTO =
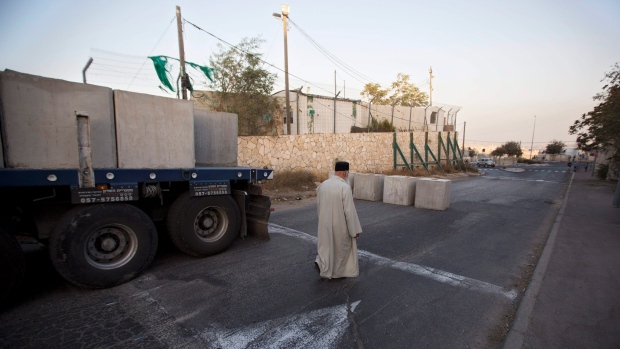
(203, 226)
(99, 246)
(12, 267)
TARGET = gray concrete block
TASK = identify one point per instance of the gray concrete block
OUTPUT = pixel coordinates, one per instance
(39, 124)
(154, 132)
(433, 193)
(215, 136)
(368, 186)
(350, 180)
(399, 190)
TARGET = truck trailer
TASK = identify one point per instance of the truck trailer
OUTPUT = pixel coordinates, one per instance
(89, 171)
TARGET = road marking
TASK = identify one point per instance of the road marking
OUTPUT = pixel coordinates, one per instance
(519, 179)
(322, 328)
(420, 270)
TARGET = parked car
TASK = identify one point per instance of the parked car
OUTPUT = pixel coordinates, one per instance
(485, 162)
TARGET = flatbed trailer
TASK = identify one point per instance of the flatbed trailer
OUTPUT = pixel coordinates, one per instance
(105, 234)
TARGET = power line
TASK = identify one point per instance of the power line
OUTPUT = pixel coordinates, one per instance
(253, 54)
(150, 53)
(331, 56)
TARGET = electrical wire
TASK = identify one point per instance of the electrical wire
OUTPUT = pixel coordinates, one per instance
(150, 53)
(338, 62)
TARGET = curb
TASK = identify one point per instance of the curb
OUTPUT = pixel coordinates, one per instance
(522, 319)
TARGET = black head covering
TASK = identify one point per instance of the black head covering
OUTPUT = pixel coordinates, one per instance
(342, 166)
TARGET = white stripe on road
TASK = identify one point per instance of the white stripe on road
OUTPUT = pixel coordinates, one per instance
(519, 179)
(420, 270)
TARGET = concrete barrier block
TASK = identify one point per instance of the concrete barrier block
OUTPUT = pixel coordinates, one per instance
(39, 123)
(399, 190)
(433, 193)
(350, 180)
(368, 186)
(215, 135)
(154, 132)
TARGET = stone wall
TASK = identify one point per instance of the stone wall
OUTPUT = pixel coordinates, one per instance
(366, 152)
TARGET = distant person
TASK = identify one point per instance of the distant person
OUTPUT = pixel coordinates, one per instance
(576, 167)
(339, 227)
(569, 165)
(587, 166)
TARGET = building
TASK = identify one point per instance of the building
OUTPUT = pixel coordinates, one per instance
(315, 114)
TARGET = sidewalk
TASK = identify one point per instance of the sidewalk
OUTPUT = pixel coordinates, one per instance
(573, 300)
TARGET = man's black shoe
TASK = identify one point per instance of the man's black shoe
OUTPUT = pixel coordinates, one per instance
(316, 266)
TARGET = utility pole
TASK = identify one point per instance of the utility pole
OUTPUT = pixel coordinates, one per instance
(430, 72)
(285, 11)
(297, 107)
(181, 53)
(335, 97)
(532, 146)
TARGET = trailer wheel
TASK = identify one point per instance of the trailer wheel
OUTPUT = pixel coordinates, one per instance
(99, 246)
(12, 266)
(203, 226)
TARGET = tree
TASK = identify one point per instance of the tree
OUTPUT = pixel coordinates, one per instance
(375, 94)
(401, 92)
(499, 151)
(512, 148)
(555, 147)
(600, 128)
(244, 87)
(472, 152)
(406, 94)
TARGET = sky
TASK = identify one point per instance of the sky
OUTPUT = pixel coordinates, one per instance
(519, 70)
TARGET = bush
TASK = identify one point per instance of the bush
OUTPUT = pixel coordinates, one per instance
(528, 161)
(601, 171)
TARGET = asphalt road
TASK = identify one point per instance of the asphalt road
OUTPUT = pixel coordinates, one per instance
(428, 279)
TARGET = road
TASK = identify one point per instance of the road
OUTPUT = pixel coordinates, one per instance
(427, 279)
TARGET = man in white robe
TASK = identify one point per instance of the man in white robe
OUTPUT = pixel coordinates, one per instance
(338, 226)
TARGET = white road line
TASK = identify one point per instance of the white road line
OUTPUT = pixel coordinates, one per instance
(321, 328)
(420, 270)
(519, 179)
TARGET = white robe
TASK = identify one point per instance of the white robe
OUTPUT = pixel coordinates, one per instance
(338, 225)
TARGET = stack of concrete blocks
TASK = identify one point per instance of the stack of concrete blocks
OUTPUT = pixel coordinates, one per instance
(368, 186)
(127, 130)
(399, 190)
(432, 193)
(350, 180)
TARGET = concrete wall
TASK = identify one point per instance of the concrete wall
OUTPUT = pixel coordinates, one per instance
(154, 132)
(39, 128)
(215, 135)
(366, 152)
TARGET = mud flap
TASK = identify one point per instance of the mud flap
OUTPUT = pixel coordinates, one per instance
(255, 211)
(258, 216)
